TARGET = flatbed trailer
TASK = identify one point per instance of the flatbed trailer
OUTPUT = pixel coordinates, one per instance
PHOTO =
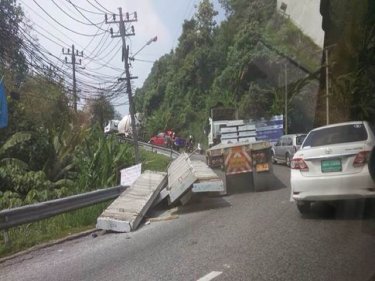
(253, 159)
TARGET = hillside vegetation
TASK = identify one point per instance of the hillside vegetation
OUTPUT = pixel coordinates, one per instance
(238, 63)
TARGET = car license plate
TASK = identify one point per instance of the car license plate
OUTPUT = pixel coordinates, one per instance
(264, 167)
(329, 166)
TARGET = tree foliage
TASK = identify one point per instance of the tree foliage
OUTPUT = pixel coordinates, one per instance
(12, 59)
(236, 63)
(48, 151)
(350, 36)
(100, 110)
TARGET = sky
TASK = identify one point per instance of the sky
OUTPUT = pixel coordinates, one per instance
(59, 24)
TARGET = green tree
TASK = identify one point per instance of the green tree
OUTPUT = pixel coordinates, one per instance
(100, 110)
(12, 58)
(45, 103)
(235, 63)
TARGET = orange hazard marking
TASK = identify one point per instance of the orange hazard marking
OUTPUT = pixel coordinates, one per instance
(238, 161)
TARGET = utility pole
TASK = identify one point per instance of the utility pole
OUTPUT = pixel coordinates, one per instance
(73, 62)
(286, 96)
(326, 54)
(125, 57)
(327, 86)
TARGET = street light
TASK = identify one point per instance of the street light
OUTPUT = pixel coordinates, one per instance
(154, 39)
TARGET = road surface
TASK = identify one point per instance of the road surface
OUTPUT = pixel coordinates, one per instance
(244, 236)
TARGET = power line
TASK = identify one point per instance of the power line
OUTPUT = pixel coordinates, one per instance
(81, 22)
(34, 51)
(92, 39)
(96, 56)
(104, 11)
(46, 21)
(106, 63)
(141, 60)
(83, 9)
(88, 18)
(101, 6)
(67, 28)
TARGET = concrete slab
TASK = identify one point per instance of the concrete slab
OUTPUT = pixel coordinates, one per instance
(128, 210)
(180, 177)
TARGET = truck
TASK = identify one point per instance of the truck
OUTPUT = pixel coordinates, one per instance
(124, 126)
(244, 163)
(227, 128)
(111, 127)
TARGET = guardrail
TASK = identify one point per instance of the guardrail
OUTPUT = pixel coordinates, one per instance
(169, 152)
(26, 214)
(31, 213)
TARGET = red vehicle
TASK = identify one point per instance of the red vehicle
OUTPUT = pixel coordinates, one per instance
(160, 139)
(168, 139)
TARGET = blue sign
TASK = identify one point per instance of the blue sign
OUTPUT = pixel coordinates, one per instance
(270, 130)
(3, 107)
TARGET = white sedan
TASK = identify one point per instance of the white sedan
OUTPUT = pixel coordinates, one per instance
(332, 165)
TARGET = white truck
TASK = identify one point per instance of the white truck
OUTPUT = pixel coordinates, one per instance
(112, 127)
(123, 126)
(227, 129)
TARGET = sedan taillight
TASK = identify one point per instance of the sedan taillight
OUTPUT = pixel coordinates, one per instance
(299, 164)
(361, 158)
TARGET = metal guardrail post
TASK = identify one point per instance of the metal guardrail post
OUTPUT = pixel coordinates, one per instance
(6, 237)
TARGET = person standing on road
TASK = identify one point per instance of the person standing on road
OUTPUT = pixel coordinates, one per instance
(190, 144)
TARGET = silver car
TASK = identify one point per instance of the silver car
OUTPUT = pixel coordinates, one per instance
(287, 145)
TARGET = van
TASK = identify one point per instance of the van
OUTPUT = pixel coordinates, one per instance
(283, 151)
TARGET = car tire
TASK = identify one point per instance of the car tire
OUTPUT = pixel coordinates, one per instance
(303, 207)
(287, 160)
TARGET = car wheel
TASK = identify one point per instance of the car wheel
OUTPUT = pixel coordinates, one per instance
(287, 160)
(303, 207)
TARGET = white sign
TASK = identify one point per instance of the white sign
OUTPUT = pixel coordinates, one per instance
(129, 175)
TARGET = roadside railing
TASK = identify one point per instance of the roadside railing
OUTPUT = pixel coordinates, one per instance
(169, 152)
(31, 213)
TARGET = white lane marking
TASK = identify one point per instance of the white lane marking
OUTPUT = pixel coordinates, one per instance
(210, 276)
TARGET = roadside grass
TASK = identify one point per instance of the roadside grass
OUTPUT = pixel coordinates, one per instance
(154, 162)
(29, 235)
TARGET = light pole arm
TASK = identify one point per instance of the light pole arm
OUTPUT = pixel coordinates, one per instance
(154, 39)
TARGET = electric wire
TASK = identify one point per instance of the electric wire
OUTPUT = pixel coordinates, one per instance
(67, 28)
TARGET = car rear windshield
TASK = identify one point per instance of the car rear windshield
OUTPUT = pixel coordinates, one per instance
(300, 139)
(339, 134)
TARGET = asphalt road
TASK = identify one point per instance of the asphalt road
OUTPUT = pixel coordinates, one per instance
(244, 236)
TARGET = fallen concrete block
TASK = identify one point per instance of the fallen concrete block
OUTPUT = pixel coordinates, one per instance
(128, 210)
(180, 177)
